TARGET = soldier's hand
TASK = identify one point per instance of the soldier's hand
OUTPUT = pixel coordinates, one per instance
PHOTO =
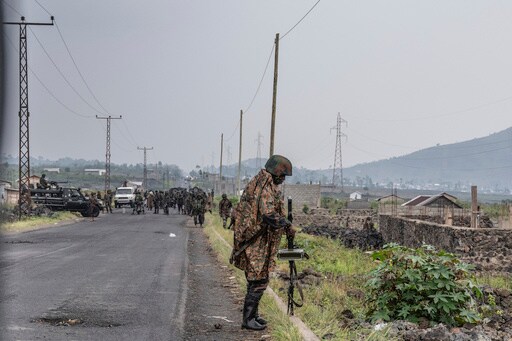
(290, 232)
(285, 223)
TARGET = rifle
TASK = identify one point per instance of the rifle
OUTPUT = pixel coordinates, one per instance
(292, 254)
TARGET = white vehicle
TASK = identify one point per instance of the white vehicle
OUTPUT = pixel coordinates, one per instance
(124, 196)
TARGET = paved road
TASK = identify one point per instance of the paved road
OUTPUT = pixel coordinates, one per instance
(121, 277)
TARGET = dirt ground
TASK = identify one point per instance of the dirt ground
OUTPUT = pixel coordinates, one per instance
(214, 308)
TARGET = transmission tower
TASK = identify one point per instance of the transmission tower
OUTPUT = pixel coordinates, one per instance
(107, 152)
(145, 179)
(258, 152)
(24, 136)
(337, 173)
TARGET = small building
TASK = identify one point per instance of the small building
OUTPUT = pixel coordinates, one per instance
(356, 196)
(11, 196)
(95, 170)
(52, 170)
(439, 200)
(33, 181)
(390, 199)
(4, 184)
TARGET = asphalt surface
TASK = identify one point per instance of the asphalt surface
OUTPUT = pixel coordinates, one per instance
(120, 277)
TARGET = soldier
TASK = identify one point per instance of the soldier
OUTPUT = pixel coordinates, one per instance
(151, 198)
(139, 200)
(225, 209)
(43, 182)
(108, 201)
(232, 218)
(98, 198)
(198, 202)
(259, 226)
(93, 203)
(156, 202)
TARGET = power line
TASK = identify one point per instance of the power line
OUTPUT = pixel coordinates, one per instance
(261, 80)
(46, 87)
(77, 69)
(11, 7)
(37, 2)
(305, 15)
(129, 133)
(124, 136)
(63, 76)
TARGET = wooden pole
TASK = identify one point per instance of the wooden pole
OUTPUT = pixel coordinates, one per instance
(240, 155)
(474, 206)
(221, 146)
(274, 97)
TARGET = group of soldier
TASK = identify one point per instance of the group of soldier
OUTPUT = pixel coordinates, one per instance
(194, 202)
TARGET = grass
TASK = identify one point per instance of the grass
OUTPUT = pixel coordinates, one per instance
(281, 328)
(339, 290)
(33, 223)
(495, 281)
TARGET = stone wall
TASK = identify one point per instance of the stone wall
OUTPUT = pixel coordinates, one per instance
(488, 249)
(343, 218)
(302, 195)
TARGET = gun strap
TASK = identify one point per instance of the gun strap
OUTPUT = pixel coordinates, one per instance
(251, 240)
(295, 282)
(247, 243)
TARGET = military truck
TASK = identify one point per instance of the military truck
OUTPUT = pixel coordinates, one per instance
(65, 199)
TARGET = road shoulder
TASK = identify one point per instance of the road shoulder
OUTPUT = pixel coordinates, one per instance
(214, 304)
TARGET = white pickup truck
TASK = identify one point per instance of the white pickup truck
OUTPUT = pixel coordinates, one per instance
(124, 196)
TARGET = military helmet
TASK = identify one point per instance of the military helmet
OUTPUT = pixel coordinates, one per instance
(278, 165)
(43, 175)
(224, 196)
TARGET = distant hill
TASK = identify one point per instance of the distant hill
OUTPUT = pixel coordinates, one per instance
(485, 162)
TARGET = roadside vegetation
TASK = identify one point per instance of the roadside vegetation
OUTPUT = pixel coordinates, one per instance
(338, 293)
(35, 222)
(339, 304)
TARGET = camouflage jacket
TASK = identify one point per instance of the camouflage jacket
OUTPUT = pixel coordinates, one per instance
(261, 197)
(225, 207)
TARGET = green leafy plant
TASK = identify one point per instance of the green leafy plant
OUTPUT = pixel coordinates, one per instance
(305, 209)
(416, 284)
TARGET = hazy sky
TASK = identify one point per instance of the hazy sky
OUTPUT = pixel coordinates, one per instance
(406, 75)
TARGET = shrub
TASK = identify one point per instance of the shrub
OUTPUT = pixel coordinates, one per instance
(305, 209)
(416, 284)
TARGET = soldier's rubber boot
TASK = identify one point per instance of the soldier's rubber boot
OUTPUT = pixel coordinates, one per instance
(249, 315)
(258, 289)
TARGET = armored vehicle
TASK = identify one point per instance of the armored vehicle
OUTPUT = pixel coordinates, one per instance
(65, 199)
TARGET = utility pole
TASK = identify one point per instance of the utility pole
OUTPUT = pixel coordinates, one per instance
(24, 136)
(240, 154)
(274, 97)
(107, 153)
(474, 207)
(221, 150)
(338, 166)
(258, 151)
(145, 179)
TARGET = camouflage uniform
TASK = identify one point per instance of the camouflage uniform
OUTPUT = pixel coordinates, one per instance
(108, 201)
(261, 198)
(225, 209)
(259, 225)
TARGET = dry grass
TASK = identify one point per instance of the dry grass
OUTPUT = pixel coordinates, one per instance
(34, 223)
